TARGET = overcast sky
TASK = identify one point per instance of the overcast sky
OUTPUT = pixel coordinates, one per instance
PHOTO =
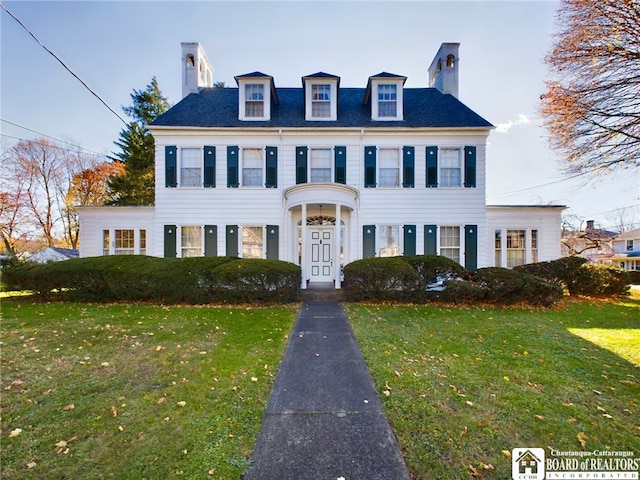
(118, 46)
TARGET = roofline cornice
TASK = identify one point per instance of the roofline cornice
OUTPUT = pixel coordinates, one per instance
(282, 130)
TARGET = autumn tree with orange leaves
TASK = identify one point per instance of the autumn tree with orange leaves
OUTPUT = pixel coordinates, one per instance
(592, 104)
(41, 186)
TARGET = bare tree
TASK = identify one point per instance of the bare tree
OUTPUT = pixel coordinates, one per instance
(592, 104)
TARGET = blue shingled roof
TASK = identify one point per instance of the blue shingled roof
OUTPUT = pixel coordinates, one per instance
(218, 107)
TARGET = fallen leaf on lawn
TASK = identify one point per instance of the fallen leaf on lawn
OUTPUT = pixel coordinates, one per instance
(582, 438)
(182, 403)
(71, 406)
(161, 400)
(31, 465)
(506, 379)
(567, 404)
(506, 453)
(538, 417)
(474, 472)
(572, 420)
(15, 432)
(469, 403)
(254, 379)
(606, 415)
(488, 466)
(104, 364)
(600, 409)
(597, 392)
(61, 447)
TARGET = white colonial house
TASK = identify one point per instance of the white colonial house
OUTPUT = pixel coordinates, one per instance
(626, 251)
(321, 175)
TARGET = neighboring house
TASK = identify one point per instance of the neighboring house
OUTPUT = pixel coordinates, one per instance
(53, 254)
(626, 251)
(321, 175)
(591, 243)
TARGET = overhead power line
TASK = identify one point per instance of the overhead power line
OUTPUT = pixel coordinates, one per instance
(63, 64)
(48, 136)
(58, 147)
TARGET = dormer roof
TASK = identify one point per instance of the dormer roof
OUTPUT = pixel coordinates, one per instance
(380, 76)
(259, 76)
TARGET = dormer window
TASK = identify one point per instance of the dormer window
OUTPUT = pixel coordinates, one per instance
(321, 101)
(387, 101)
(254, 100)
(384, 94)
(321, 96)
(256, 96)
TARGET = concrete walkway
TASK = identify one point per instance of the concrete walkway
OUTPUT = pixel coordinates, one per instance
(324, 418)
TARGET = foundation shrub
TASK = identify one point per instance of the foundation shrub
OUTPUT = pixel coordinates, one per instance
(459, 291)
(435, 269)
(381, 279)
(257, 281)
(508, 287)
(579, 277)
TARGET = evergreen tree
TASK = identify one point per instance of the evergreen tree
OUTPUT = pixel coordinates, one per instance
(136, 185)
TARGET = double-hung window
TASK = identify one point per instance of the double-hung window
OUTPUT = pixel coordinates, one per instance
(450, 243)
(321, 101)
(516, 248)
(124, 242)
(450, 170)
(190, 167)
(389, 167)
(252, 242)
(320, 165)
(191, 241)
(254, 100)
(387, 100)
(252, 167)
(388, 241)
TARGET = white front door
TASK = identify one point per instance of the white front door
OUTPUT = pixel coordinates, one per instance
(321, 256)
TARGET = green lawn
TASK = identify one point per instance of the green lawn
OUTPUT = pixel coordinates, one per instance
(462, 387)
(133, 392)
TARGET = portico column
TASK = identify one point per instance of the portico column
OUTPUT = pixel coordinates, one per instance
(303, 259)
(336, 248)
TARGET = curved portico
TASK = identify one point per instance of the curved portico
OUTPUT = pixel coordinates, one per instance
(320, 222)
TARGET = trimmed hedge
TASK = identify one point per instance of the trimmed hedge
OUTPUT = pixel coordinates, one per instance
(196, 280)
(381, 279)
(580, 277)
(507, 287)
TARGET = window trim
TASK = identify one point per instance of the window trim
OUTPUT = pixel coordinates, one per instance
(328, 149)
(398, 168)
(241, 167)
(242, 98)
(441, 177)
(200, 163)
(375, 101)
(262, 245)
(333, 99)
(198, 249)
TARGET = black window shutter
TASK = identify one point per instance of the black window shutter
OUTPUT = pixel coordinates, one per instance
(409, 240)
(209, 166)
(231, 241)
(232, 166)
(469, 166)
(432, 167)
(430, 240)
(408, 167)
(273, 242)
(471, 247)
(368, 241)
(301, 164)
(370, 167)
(170, 166)
(340, 167)
(272, 167)
(210, 240)
(170, 237)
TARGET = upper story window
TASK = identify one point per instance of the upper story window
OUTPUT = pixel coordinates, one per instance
(190, 167)
(387, 101)
(388, 167)
(450, 167)
(629, 245)
(321, 96)
(256, 96)
(252, 167)
(320, 165)
(321, 101)
(385, 95)
(254, 100)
